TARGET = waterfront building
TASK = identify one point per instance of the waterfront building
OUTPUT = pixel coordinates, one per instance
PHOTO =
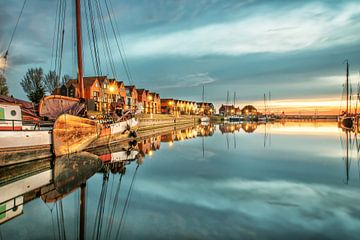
(131, 97)
(167, 105)
(249, 110)
(205, 108)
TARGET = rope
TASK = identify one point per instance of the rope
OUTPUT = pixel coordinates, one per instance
(100, 209)
(13, 33)
(126, 203)
(112, 213)
(120, 49)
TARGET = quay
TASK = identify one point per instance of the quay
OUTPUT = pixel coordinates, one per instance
(149, 124)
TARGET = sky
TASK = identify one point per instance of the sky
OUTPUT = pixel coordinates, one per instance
(293, 49)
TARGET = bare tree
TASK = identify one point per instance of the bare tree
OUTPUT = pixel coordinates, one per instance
(65, 79)
(51, 81)
(33, 84)
(3, 86)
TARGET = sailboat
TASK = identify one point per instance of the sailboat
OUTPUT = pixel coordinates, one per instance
(204, 118)
(346, 119)
(70, 133)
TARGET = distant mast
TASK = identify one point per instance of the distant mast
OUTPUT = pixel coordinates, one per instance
(203, 93)
(347, 86)
(79, 48)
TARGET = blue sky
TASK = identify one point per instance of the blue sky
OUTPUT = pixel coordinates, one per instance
(295, 49)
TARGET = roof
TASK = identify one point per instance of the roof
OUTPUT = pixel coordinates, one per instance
(71, 82)
(131, 88)
(249, 108)
(89, 81)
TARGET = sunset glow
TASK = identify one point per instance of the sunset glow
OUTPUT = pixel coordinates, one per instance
(305, 106)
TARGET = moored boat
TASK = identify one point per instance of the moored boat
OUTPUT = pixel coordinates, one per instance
(346, 119)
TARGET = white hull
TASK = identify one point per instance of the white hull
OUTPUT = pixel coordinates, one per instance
(121, 127)
(205, 119)
(119, 156)
(20, 139)
(25, 138)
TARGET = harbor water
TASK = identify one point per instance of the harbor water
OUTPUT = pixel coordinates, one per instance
(294, 180)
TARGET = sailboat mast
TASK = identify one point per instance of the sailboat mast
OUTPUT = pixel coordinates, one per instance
(82, 210)
(79, 48)
(347, 86)
(234, 98)
(227, 98)
(203, 94)
(265, 103)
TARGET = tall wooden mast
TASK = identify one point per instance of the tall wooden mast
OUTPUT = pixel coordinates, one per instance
(79, 48)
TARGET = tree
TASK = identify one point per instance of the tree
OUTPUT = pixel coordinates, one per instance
(51, 81)
(3, 86)
(33, 84)
(65, 79)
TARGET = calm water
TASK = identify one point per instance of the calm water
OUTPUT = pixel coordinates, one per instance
(289, 181)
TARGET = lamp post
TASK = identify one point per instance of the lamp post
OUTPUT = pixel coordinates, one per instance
(111, 90)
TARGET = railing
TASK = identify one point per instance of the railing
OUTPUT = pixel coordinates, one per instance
(13, 125)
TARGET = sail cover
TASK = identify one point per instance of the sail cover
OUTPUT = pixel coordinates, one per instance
(55, 105)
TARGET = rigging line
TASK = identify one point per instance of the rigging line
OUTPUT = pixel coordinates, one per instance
(62, 38)
(57, 30)
(123, 60)
(128, 206)
(13, 33)
(126, 203)
(112, 214)
(104, 34)
(89, 38)
(106, 42)
(99, 211)
(54, 35)
(94, 39)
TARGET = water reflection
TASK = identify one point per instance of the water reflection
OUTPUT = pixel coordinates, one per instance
(109, 193)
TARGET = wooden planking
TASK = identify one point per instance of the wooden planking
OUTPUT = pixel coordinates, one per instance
(72, 134)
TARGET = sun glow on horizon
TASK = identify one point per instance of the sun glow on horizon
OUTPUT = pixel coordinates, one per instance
(331, 105)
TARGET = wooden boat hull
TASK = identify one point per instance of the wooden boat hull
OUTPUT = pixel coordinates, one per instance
(73, 134)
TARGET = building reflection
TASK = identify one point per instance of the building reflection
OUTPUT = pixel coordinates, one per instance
(248, 127)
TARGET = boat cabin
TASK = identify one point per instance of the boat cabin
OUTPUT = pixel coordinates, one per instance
(10, 117)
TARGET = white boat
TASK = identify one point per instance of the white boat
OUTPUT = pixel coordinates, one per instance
(205, 119)
(14, 134)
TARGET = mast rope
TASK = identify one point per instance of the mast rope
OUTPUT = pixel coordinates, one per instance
(114, 206)
(120, 46)
(13, 33)
(126, 203)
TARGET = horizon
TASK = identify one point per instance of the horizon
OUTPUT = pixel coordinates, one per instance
(295, 50)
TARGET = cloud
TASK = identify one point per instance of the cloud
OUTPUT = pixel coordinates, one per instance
(313, 26)
(190, 80)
